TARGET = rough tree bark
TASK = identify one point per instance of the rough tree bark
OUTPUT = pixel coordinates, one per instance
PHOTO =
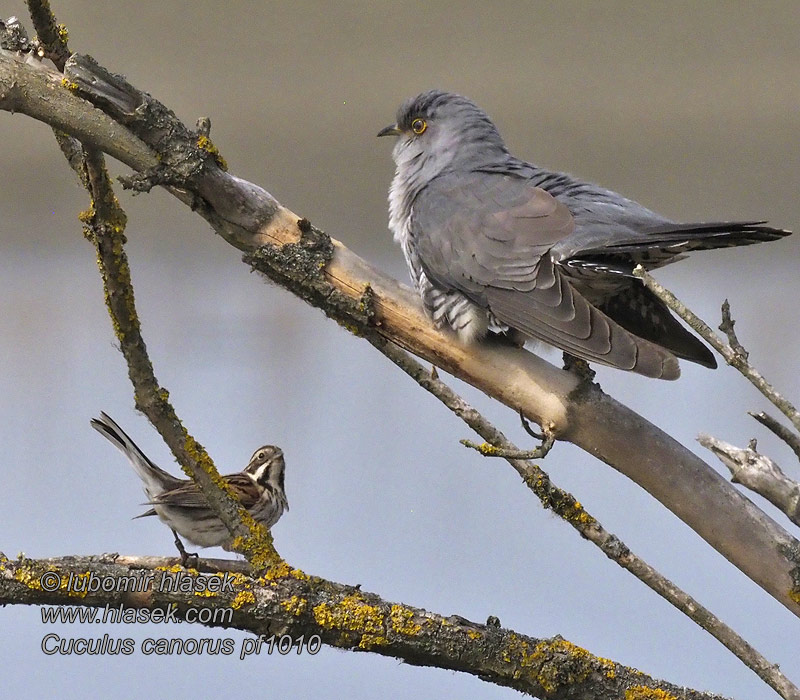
(287, 601)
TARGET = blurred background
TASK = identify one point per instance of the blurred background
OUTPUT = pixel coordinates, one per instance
(691, 108)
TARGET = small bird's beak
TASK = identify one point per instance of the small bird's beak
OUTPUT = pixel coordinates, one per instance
(391, 130)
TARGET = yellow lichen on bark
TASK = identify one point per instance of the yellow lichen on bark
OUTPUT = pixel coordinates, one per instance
(242, 598)
(640, 692)
(281, 570)
(556, 663)
(295, 605)
(402, 619)
(205, 143)
(353, 614)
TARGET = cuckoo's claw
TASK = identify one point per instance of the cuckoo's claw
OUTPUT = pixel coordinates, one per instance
(526, 425)
(578, 366)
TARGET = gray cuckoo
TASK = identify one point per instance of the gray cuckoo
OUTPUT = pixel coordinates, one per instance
(495, 243)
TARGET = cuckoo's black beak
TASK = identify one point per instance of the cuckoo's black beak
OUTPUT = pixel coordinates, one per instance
(390, 130)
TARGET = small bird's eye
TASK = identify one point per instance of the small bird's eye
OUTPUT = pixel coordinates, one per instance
(262, 455)
(418, 126)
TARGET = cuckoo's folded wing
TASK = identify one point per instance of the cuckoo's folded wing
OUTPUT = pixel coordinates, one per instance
(489, 236)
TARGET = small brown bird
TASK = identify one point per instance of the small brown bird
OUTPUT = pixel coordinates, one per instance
(181, 504)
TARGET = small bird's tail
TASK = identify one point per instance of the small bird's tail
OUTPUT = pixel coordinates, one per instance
(155, 479)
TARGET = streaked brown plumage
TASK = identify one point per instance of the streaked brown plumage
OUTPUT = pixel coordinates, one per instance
(181, 504)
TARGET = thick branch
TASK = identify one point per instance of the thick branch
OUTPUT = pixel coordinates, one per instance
(250, 219)
(28, 87)
(289, 602)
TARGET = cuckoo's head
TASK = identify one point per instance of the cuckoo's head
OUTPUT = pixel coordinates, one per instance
(439, 130)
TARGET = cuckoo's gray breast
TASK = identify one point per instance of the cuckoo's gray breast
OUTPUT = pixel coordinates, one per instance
(493, 242)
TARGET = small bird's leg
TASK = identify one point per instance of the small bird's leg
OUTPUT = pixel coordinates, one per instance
(578, 366)
(185, 556)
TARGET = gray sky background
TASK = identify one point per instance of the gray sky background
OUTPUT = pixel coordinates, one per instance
(688, 107)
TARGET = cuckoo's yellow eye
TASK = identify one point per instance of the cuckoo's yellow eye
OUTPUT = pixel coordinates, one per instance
(418, 126)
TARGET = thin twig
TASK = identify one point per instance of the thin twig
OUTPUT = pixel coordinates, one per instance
(569, 509)
(789, 437)
(104, 226)
(736, 358)
(727, 327)
(52, 36)
(488, 450)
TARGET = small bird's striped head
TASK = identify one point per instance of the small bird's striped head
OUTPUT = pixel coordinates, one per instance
(267, 466)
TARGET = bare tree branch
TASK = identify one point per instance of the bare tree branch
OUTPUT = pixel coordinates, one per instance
(566, 506)
(749, 468)
(489, 450)
(104, 226)
(288, 602)
(759, 473)
(727, 327)
(51, 36)
(784, 433)
(735, 355)
(251, 219)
